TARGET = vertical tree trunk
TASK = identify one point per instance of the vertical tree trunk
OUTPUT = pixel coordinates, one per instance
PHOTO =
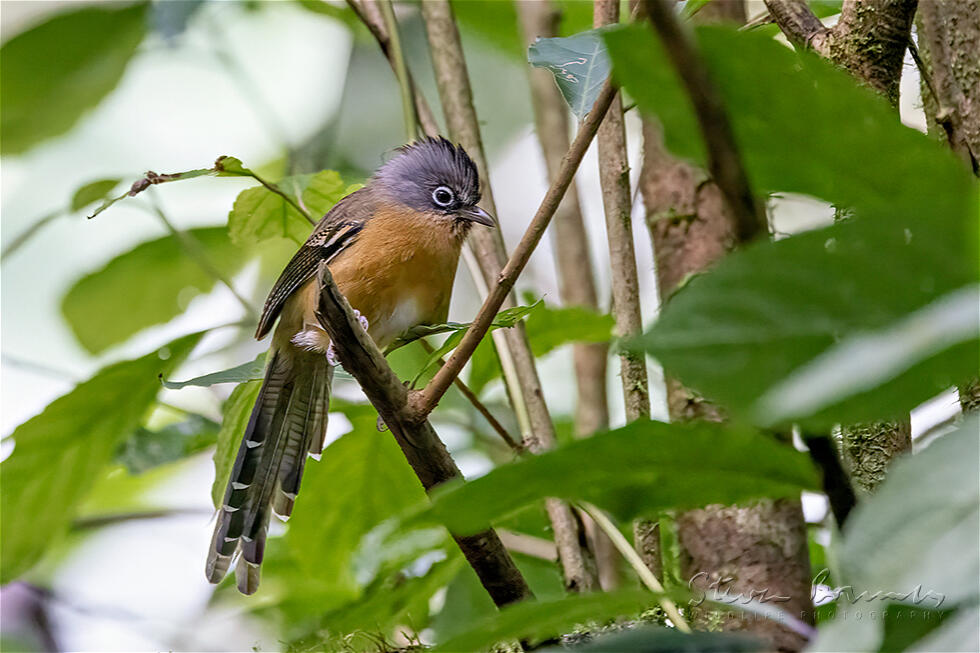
(741, 549)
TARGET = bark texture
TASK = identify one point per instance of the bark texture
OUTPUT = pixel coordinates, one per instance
(869, 449)
(869, 39)
(742, 550)
(456, 96)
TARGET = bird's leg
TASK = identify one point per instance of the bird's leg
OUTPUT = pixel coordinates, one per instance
(332, 358)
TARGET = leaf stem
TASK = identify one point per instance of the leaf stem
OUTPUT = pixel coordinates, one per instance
(29, 232)
(633, 558)
(401, 69)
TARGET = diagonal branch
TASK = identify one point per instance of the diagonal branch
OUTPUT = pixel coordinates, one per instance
(724, 160)
(419, 442)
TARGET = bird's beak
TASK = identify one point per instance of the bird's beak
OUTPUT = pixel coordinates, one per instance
(478, 215)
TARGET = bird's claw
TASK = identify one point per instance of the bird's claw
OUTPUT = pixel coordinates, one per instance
(332, 359)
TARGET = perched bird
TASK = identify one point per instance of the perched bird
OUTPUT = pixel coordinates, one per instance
(392, 248)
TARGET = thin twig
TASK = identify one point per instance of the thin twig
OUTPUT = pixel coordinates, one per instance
(401, 70)
(274, 188)
(26, 235)
(724, 161)
(196, 253)
(100, 521)
(633, 558)
(479, 405)
(614, 177)
(426, 400)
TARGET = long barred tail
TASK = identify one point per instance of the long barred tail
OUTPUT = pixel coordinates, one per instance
(289, 420)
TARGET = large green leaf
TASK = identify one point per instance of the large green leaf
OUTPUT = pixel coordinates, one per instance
(579, 63)
(538, 621)
(928, 513)
(52, 74)
(259, 213)
(362, 480)
(747, 326)
(147, 449)
(150, 284)
(636, 470)
(235, 414)
(250, 371)
(59, 453)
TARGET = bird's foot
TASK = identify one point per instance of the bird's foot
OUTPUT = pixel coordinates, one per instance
(332, 357)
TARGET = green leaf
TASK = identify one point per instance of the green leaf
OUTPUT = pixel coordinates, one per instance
(259, 213)
(235, 414)
(928, 510)
(579, 63)
(549, 328)
(755, 320)
(59, 454)
(250, 371)
(51, 74)
(538, 621)
(637, 470)
(92, 192)
(365, 479)
(147, 449)
(649, 639)
(150, 284)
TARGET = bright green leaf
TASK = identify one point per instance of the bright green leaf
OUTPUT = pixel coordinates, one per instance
(579, 63)
(250, 371)
(146, 449)
(549, 328)
(59, 454)
(150, 284)
(364, 479)
(651, 639)
(259, 213)
(51, 74)
(538, 621)
(637, 470)
(92, 192)
(235, 414)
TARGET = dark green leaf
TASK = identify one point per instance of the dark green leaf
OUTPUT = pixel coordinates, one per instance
(365, 479)
(579, 63)
(235, 414)
(637, 470)
(92, 192)
(50, 75)
(259, 213)
(59, 454)
(667, 640)
(904, 625)
(250, 371)
(147, 449)
(538, 621)
(150, 284)
(737, 332)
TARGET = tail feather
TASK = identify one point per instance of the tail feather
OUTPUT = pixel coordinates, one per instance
(287, 422)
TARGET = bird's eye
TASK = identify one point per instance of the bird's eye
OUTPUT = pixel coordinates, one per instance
(443, 196)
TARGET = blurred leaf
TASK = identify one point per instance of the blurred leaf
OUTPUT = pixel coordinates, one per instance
(765, 312)
(549, 328)
(495, 22)
(150, 284)
(904, 625)
(362, 480)
(146, 449)
(92, 192)
(959, 632)
(928, 510)
(579, 63)
(59, 454)
(692, 7)
(538, 621)
(51, 74)
(484, 366)
(170, 17)
(637, 470)
(234, 419)
(649, 639)
(259, 213)
(250, 371)
(396, 601)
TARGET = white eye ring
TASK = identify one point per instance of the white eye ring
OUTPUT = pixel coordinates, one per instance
(443, 196)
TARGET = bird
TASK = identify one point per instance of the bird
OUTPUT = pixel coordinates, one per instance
(392, 247)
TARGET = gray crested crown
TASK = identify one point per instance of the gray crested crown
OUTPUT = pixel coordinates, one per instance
(418, 169)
